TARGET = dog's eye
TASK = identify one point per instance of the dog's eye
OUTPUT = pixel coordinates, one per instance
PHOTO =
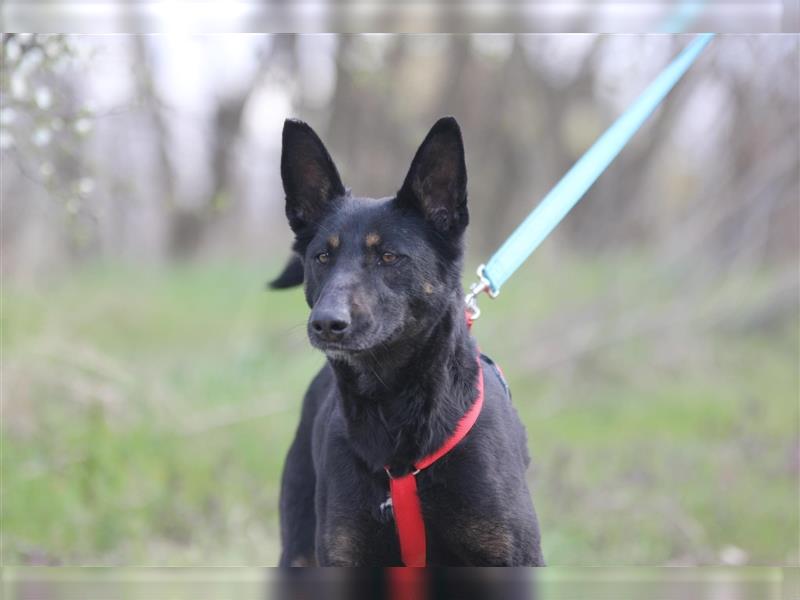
(323, 257)
(388, 258)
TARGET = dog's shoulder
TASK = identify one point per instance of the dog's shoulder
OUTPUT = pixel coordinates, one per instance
(318, 390)
(322, 402)
(322, 383)
(495, 373)
(500, 413)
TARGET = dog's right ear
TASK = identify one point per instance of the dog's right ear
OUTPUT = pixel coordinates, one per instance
(292, 274)
(310, 179)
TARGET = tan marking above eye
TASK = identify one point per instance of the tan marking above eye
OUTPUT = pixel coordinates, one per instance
(427, 287)
(373, 239)
(333, 241)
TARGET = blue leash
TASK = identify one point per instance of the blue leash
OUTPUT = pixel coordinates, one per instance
(567, 192)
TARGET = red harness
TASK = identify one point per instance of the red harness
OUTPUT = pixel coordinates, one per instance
(403, 490)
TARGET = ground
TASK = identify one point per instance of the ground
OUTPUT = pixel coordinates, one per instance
(147, 412)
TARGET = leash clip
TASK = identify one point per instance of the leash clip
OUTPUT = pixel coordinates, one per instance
(475, 290)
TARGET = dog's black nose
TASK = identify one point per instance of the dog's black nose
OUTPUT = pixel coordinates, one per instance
(330, 324)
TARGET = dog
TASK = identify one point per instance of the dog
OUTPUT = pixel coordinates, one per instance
(382, 278)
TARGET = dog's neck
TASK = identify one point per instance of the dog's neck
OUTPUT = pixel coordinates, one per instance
(401, 403)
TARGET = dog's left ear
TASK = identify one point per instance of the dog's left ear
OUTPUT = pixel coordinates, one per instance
(436, 183)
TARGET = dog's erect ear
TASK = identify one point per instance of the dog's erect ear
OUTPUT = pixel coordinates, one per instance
(436, 183)
(292, 274)
(310, 178)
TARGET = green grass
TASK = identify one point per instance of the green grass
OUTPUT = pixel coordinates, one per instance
(147, 414)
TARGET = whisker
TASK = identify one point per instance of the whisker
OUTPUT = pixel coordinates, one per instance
(374, 372)
(294, 328)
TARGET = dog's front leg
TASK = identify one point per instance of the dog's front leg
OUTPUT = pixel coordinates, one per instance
(351, 535)
(341, 543)
(352, 529)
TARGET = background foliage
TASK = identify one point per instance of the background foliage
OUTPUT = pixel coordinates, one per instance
(151, 386)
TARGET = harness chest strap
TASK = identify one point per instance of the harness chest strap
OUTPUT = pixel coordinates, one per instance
(403, 490)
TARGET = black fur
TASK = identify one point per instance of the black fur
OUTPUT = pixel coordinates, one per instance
(291, 275)
(383, 280)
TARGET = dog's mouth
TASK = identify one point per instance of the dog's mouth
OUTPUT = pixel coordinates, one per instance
(338, 348)
(348, 348)
(373, 341)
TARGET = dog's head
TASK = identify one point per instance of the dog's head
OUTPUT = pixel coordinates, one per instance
(375, 271)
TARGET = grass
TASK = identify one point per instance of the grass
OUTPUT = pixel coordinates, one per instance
(147, 414)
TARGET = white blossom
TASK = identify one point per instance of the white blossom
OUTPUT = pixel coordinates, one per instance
(86, 185)
(19, 88)
(43, 98)
(83, 126)
(41, 136)
(12, 50)
(7, 115)
(6, 140)
(30, 60)
(52, 48)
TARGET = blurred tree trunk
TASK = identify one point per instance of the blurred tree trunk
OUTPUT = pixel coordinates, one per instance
(190, 224)
(362, 122)
(164, 182)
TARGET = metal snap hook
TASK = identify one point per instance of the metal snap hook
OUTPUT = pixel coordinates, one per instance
(476, 289)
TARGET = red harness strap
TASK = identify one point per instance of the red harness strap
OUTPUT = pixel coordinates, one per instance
(405, 500)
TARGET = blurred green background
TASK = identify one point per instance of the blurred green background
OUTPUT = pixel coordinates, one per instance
(151, 385)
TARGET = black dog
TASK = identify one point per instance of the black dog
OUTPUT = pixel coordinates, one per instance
(383, 280)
